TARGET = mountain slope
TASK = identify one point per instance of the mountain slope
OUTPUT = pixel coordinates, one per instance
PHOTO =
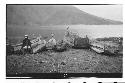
(52, 15)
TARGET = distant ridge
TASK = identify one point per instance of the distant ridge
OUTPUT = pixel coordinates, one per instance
(52, 15)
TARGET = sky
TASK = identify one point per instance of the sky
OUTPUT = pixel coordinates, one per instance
(113, 12)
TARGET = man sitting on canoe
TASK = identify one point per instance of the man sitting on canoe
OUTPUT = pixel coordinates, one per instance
(26, 46)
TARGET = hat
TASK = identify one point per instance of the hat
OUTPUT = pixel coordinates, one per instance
(26, 36)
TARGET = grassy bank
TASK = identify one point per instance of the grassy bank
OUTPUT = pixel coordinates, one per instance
(71, 61)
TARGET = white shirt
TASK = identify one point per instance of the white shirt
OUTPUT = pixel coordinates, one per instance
(44, 42)
(52, 41)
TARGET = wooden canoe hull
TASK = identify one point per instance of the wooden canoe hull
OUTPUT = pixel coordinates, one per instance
(105, 47)
(36, 45)
(81, 43)
(97, 49)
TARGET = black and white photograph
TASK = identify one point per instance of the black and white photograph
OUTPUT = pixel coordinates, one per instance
(111, 82)
(93, 82)
(60, 41)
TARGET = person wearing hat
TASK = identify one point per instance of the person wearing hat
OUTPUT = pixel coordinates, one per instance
(26, 44)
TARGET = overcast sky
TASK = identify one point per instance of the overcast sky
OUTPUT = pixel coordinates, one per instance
(113, 12)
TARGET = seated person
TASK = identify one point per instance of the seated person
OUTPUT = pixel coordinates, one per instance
(26, 44)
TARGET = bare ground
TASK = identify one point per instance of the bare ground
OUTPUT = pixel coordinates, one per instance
(71, 61)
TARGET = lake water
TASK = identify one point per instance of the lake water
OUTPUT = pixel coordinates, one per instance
(93, 31)
(100, 31)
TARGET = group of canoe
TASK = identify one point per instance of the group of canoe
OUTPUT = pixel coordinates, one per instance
(69, 41)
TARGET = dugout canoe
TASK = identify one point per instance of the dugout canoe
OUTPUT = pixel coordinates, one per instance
(97, 47)
(37, 44)
(105, 47)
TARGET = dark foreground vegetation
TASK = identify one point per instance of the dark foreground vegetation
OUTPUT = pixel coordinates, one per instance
(71, 61)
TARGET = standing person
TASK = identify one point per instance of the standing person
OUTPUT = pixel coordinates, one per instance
(67, 32)
(26, 46)
(52, 42)
(68, 37)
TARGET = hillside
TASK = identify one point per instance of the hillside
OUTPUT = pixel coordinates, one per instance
(52, 15)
